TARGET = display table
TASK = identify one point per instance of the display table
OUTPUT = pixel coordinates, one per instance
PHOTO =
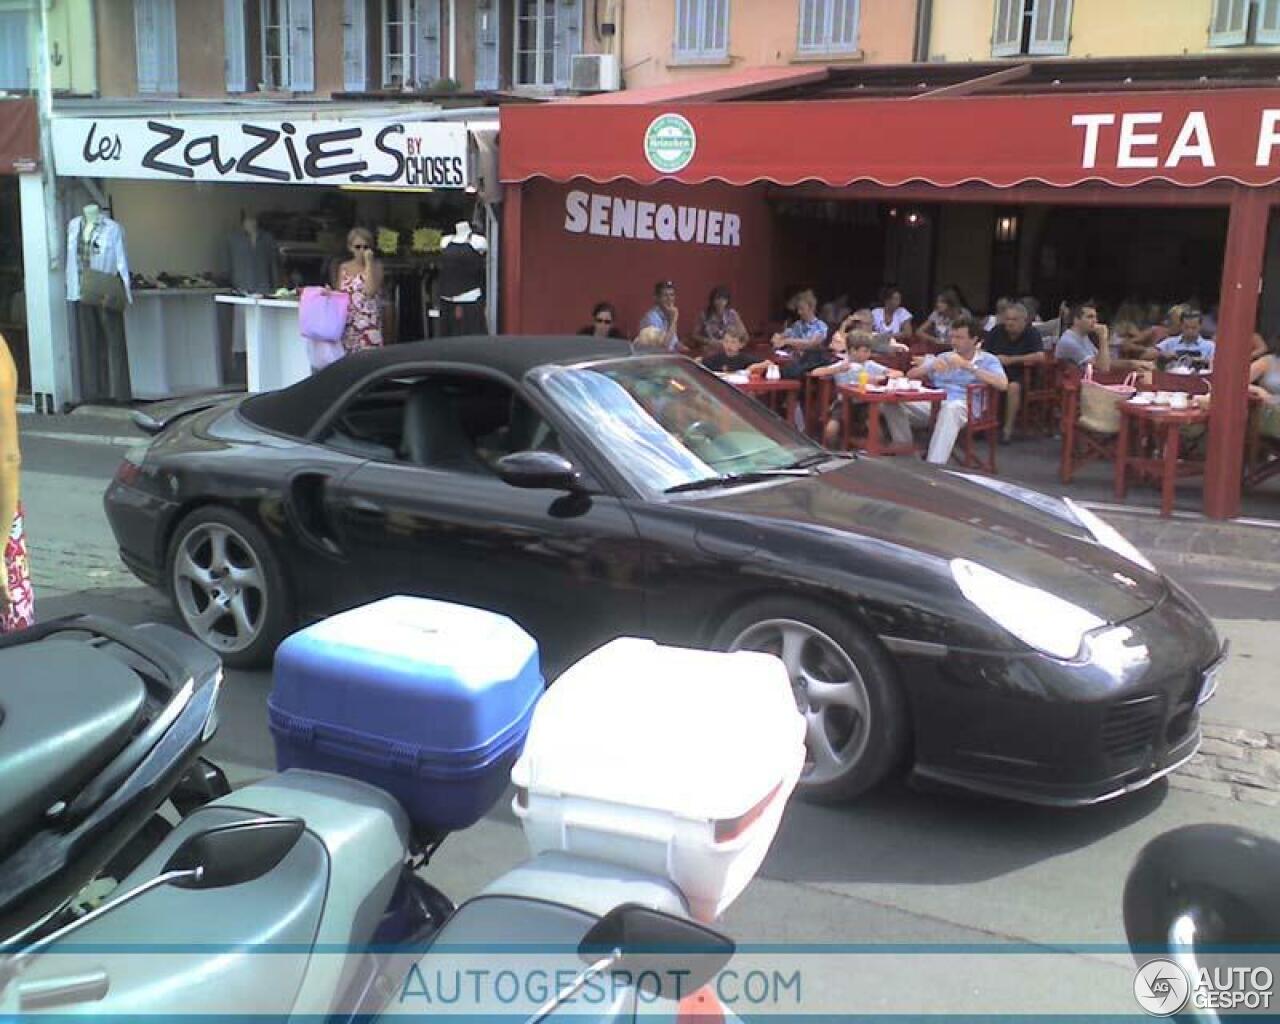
(173, 342)
(274, 349)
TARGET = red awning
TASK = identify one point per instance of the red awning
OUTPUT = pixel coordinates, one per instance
(19, 136)
(1186, 138)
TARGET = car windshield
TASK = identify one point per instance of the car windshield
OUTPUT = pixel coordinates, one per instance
(667, 423)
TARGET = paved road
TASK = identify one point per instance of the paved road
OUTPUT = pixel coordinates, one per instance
(899, 867)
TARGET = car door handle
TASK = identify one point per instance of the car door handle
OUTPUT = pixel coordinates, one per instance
(363, 508)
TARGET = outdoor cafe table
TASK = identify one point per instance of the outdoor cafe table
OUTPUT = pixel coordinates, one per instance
(1166, 424)
(771, 391)
(875, 397)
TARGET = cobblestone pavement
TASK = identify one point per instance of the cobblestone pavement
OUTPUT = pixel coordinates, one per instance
(1237, 764)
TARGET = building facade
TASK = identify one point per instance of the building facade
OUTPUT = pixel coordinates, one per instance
(980, 30)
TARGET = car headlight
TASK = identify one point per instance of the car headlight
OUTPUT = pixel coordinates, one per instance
(1037, 618)
(1108, 536)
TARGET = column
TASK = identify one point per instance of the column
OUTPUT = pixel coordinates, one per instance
(46, 288)
(1241, 281)
(512, 255)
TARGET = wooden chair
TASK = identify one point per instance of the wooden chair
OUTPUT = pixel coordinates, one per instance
(818, 394)
(1080, 444)
(1263, 456)
(983, 403)
(1191, 383)
(1042, 398)
(893, 360)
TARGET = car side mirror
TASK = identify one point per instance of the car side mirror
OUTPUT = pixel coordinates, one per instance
(539, 471)
(639, 940)
(231, 854)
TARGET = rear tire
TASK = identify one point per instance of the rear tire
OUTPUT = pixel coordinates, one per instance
(227, 586)
(845, 686)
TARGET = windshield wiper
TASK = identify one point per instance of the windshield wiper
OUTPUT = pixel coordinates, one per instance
(818, 458)
(733, 479)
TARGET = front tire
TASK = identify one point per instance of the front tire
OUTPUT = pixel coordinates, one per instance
(856, 719)
(227, 586)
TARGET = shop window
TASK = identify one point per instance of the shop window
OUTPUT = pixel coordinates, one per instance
(1245, 23)
(15, 50)
(1037, 28)
(270, 45)
(155, 28)
(702, 29)
(547, 35)
(829, 26)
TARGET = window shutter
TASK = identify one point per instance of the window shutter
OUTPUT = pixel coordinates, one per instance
(487, 18)
(146, 45)
(1051, 28)
(813, 18)
(844, 25)
(302, 56)
(686, 27)
(568, 41)
(1230, 24)
(355, 49)
(1006, 40)
(167, 45)
(427, 44)
(1269, 22)
(235, 46)
(15, 50)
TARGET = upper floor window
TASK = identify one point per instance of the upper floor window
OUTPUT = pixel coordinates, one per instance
(410, 43)
(547, 35)
(828, 26)
(270, 45)
(1039, 28)
(702, 29)
(1245, 22)
(15, 50)
(155, 29)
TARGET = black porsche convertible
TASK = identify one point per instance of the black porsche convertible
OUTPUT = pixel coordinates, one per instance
(984, 635)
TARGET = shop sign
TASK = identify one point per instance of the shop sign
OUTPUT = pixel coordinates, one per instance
(396, 154)
(615, 217)
(669, 143)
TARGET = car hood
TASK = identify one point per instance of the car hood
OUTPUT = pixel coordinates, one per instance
(917, 508)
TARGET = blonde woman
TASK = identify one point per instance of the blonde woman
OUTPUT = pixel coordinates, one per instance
(361, 278)
(17, 607)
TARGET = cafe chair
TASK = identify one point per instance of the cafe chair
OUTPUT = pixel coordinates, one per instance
(1042, 396)
(1191, 383)
(817, 397)
(1264, 455)
(983, 402)
(1080, 443)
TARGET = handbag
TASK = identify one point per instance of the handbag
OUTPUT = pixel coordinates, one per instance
(322, 314)
(1100, 403)
(106, 291)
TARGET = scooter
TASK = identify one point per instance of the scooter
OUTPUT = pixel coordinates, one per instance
(297, 896)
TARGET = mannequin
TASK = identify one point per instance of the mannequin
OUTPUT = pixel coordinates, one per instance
(95, 258)
(253, 259)
(461, 282)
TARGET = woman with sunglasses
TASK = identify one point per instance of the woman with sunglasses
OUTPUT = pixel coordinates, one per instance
(361, 278)
(603, 320)
(719, 321)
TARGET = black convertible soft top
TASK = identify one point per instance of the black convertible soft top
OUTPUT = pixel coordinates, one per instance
(295, 410)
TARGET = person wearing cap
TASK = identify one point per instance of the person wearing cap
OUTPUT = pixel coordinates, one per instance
(664, 315)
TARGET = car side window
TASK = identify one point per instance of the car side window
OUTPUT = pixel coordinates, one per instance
(440, 421)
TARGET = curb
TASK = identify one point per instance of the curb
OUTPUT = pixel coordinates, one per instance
(1247, 546)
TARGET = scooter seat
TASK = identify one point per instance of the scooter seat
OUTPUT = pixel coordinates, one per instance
(66, 709)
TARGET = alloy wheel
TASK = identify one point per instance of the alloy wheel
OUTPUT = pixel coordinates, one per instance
(220, 587)
(829, 691)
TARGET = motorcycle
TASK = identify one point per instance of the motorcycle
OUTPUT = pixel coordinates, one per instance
(299, 895)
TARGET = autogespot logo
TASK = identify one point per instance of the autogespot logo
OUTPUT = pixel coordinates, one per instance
(1162, 988)
(669, 143)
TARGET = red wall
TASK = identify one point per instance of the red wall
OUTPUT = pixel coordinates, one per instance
(563, 273)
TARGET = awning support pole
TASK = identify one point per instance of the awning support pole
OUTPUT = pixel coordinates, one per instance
(1228, 412)
(512, 259)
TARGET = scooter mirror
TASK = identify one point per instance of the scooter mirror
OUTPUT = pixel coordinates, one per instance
(1205, 897)
(235, 853)
(678, 953)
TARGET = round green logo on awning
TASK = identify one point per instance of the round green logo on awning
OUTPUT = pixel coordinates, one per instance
(669, 143)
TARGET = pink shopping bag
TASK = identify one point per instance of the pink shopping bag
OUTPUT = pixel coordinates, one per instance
(322, 314)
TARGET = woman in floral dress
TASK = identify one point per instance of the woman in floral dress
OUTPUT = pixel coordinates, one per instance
(17, 603)
(361, 278)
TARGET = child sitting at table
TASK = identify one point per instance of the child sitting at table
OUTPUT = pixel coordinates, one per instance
(853, 358)
(729, 357)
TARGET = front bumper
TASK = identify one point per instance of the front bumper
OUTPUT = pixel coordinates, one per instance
(1030, 728)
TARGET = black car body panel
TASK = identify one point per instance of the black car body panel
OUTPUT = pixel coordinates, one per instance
(872, 539)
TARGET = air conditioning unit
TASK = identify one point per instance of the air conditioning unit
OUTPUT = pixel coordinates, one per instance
(595, 72)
